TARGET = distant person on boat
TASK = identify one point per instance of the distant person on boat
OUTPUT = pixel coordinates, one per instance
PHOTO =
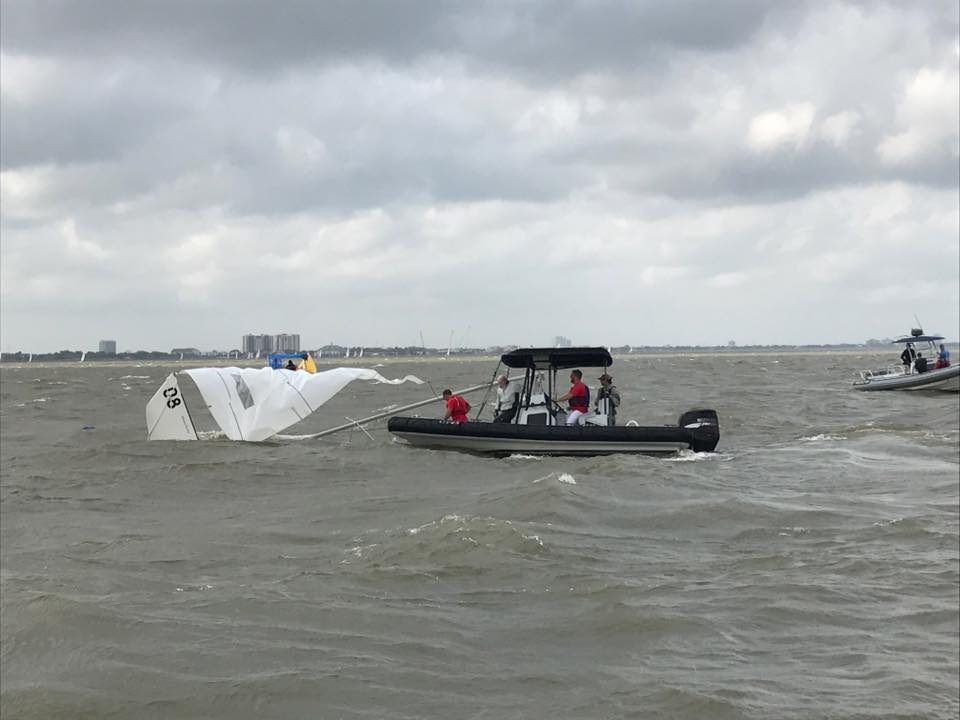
(908, 356)
(578, 397)
(508, 400)
(920, 364)
(609, 392)
(290, 365)
(943, 358)
(457, 407)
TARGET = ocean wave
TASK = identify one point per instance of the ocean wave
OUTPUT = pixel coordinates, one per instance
(452, 544)
(562, 478)
(691, 456)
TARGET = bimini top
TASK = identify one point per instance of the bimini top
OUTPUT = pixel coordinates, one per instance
(540, 358)
(919, 338)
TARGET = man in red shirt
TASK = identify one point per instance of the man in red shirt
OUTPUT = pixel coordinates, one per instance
(457, 407)
(579, 397)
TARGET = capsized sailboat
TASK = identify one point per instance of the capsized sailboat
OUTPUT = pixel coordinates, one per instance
(250, 404)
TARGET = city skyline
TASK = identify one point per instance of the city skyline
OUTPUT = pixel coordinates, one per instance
(672, 173)
(414, 349)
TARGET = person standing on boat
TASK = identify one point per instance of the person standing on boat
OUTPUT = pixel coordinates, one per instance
(943, 357)
(920, 364)
(609, 392)
(457, 407)
(578, 397)
(908, 356)
(508, 399)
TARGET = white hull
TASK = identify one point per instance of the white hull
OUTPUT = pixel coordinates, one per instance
(942, 380)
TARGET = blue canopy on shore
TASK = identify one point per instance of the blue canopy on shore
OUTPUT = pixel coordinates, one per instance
(277, 360)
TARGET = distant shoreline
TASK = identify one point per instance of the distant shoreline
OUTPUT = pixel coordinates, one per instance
(373, 360)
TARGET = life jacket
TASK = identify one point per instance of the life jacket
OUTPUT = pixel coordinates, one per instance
(460, 409)
(581, 402)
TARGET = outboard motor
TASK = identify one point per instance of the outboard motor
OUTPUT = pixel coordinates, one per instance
(704, 428)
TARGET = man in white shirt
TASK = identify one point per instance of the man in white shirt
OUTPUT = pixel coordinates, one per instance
(508, 400)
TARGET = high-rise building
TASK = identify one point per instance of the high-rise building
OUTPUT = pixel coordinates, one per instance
(108, 346)
(258, 344)
(282, 342)
(287, 343)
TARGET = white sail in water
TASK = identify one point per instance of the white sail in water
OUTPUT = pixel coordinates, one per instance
(253, 404)
(30, 359)
(181, 357)
(83, 356)
(361, 353)
(167, 415)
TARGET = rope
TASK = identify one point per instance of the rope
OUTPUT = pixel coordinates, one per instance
(487, 393)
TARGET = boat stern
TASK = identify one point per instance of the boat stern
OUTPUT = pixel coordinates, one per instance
(704, 428)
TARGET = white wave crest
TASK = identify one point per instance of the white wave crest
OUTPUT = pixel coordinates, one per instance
(691, 456)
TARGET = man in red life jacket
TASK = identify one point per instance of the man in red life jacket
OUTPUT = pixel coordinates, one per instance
(579, 397)
(457, 407)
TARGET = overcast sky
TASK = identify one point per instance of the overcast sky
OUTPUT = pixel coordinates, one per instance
(180, 173)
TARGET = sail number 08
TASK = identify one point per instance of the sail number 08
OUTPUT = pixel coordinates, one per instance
(172, 400)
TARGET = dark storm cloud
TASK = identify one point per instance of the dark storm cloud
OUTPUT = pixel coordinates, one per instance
(543, 37)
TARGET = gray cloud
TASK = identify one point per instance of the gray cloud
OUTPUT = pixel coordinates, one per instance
(417, 158)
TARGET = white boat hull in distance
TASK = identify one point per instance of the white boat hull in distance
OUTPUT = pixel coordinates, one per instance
(697, 430)
(943, 380)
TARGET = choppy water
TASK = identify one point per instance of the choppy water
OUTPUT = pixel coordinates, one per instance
(809, 569)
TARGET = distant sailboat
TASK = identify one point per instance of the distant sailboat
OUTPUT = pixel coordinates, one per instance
(83, 356)
(348, 353)
(361, 353)
(181, 357)
(30, 359)
(450, 344)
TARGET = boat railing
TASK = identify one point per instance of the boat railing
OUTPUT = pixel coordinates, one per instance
(889, 371)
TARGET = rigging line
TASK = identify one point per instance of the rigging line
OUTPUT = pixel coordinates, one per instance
(361, 427)
(487, 393)
(297, 391)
